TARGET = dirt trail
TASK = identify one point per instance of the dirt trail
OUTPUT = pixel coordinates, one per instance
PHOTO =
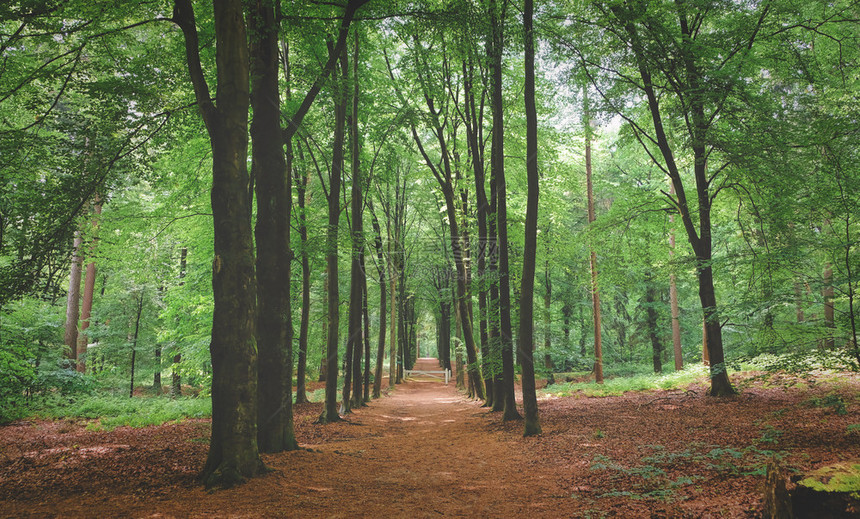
(427, 451)
(423, 451)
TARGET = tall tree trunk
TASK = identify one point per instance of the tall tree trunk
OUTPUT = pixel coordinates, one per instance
(323, 357)
(233, 454)
(497, 163)
(329, 413)
(271, 171)
(134, 342)
(89, 289)
(473, 118)
(595, 292)
(354, 342)
(73, 301)
(547, 321)
(829, 314)
(380, 265)
(651, 312)
(366, 337)
(525, 337)
(699, 235)
(301, 367)
(673, 296)
(175, 377)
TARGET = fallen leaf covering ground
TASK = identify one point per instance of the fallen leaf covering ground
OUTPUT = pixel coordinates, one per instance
(427, 451)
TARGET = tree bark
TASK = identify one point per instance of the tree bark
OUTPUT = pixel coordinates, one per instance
(595, 292)
(89, 289)
(354, 342)
(380, 265)
(301, 368)
(134, 342)
(233, 454)
(497, 163)
(525, 338)
(271, 171)
(175, 377)
(73, 301)
(329, 413)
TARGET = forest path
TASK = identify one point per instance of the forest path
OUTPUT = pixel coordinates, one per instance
(423, 451)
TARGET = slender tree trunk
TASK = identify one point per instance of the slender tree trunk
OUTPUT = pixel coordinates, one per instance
(233, 454)
(474, 122)
(829, 314)
(73, 301)
(392, 348)
(595, 292)
(673, 296)
(304, 325)
(380, 263)
(525, 338)
(134, 342)
(175, 377)
(326, 325)
(366, 338)
(497, 163)
(547, 321)
(354, 342)
(89, 289)
(651, 312)
(329, 413)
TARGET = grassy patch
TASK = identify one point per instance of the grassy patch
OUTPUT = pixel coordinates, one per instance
(616, 386)
(110, 411)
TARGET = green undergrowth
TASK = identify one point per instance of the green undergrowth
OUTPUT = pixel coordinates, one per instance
(665, 475)
(107, 412)
(619, 385)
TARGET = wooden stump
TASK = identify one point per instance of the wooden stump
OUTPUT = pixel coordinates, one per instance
(831, 492)
(777, 502)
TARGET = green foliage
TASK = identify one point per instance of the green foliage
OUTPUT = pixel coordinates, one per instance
(616, 386)
(109, 411)
(833, 402)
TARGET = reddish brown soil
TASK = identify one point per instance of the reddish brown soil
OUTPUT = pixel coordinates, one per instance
(427, 451)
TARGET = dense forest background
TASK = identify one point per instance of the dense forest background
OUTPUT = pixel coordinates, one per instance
(678, 144)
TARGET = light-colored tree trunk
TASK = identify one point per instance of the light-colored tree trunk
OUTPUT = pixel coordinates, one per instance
(89, 289)
(73, 300)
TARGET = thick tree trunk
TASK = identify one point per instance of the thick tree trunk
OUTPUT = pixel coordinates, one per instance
(233, 454)
(274, 204)
(525, 338)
